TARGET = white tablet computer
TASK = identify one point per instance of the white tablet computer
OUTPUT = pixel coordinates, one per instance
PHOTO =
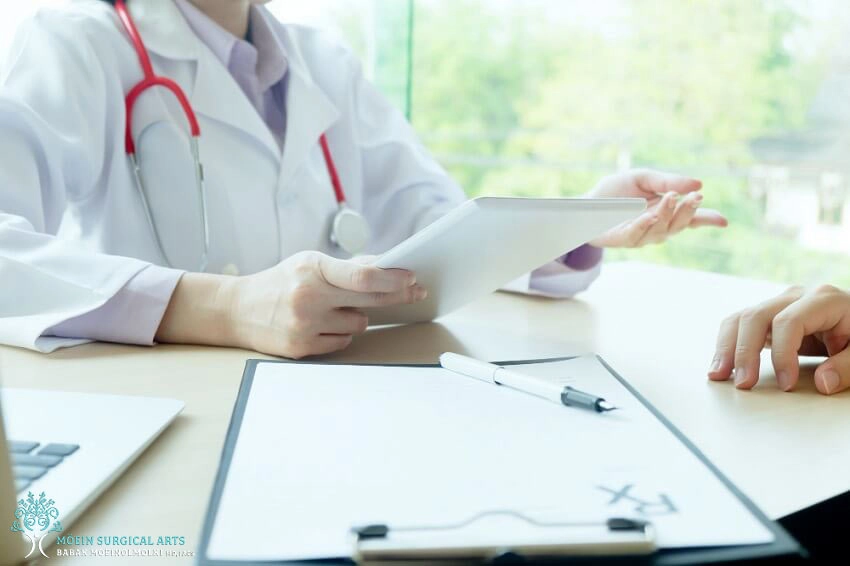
(489, 241)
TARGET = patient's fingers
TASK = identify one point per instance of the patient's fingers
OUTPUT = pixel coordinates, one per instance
(833, 375)
(724, 352)
(743, 335)
(825, 310)
(754, 328)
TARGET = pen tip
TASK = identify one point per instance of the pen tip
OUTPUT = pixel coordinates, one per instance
(605, 406)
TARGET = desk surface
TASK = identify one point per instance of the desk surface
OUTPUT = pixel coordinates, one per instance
(655, 325)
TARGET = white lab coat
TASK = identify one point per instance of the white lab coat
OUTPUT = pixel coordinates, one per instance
(72, 227)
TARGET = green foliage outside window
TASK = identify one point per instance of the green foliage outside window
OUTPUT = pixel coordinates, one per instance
(543, 97)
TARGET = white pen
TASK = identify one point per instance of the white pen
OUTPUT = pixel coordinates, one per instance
(498, 375)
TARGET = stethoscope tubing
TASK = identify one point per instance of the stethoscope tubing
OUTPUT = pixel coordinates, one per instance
(151, 80)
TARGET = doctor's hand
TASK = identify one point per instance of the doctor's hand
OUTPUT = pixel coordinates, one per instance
(304, 306)
(673, 204)
(796, 323)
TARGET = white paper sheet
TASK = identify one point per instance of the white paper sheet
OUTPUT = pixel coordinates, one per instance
(323, 448)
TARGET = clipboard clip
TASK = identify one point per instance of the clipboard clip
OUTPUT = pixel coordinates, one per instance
(500, 534)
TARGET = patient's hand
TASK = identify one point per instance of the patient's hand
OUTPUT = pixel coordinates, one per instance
(672, 205)
(796, 323)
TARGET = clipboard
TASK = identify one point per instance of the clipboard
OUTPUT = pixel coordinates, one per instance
(619, 539)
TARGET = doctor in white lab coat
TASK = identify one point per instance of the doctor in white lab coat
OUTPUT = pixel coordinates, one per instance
(78, 257)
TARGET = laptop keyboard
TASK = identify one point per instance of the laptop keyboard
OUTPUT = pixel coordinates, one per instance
(31, 460)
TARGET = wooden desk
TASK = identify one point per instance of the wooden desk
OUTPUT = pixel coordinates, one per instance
(655, 325)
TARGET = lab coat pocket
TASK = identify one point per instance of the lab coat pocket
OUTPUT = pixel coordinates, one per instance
(169, 184)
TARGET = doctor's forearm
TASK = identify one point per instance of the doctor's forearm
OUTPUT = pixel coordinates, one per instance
(200, 311)
(308, 304)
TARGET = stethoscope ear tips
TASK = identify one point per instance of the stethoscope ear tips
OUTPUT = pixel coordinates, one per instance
(350, 231)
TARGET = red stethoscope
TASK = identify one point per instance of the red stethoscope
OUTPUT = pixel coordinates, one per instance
(349, 229)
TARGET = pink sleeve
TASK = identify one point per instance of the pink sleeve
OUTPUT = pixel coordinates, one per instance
(131, 316)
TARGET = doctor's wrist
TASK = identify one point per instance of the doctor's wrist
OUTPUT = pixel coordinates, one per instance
(201, 311)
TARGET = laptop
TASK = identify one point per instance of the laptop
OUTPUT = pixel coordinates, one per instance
(69, 447)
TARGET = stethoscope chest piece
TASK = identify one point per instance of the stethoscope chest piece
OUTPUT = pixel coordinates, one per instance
(350, 231)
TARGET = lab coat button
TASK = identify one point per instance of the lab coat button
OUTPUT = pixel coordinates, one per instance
(230, 269)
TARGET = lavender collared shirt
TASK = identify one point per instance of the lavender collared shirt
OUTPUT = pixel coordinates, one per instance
(583, 258)
(259, 66)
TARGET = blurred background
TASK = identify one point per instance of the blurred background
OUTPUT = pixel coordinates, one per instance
(544, 97)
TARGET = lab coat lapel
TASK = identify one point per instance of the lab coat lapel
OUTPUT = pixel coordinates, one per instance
(308, 115)
(214, 93)
(217, 95)
(309, 111)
